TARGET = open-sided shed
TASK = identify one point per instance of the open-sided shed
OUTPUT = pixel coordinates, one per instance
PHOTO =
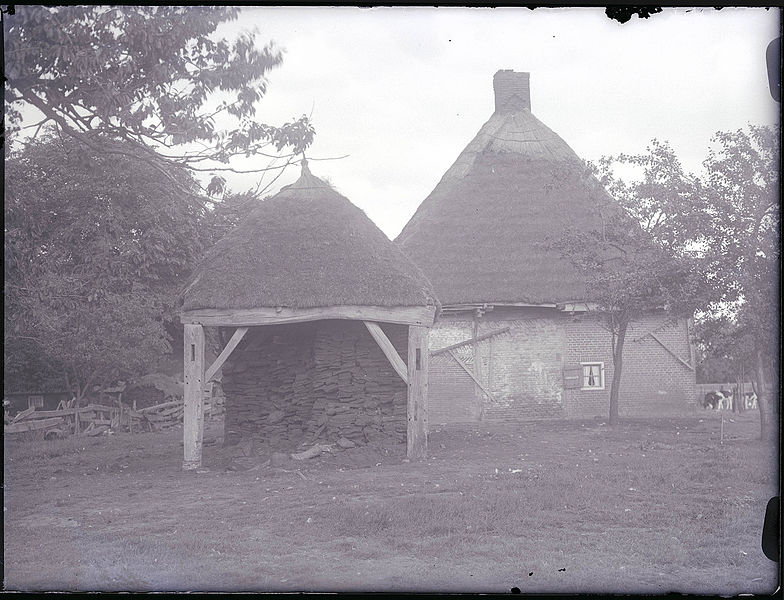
(317, 305)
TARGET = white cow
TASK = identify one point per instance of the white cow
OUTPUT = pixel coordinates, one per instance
(718, 400)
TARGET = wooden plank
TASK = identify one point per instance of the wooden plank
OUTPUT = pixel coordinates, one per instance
(43, 414)
(678, 358)
(416, 409)
(162, 406)
(478, 402)
(388, 349)
(471, 374)
(96, 431)
(99, 407)
(479, 338)
(24, 414)
(171, 411)
(404, 315)
(193, 423)
(32, 425)
(475, 305)
(239, 333)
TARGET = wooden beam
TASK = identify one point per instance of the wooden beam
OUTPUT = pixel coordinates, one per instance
(193, 416)
(418, 366)
(388, 349)
(239, 333)
(478, 400)
(678, 358)
(404, 315)
(484, 336)
(32, 425)
(471, 374)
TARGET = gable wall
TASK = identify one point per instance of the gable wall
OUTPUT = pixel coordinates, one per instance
(523, 368)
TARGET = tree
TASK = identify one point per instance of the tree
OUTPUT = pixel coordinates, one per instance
(226, 214)
(726, 353)
(147, 82)
(638, 259)
(741, 229)
(96, 248)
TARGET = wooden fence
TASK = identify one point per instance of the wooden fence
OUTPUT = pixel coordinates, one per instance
(95, 419)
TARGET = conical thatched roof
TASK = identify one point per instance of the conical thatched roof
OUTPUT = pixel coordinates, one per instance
(485, 233)
(306, 247)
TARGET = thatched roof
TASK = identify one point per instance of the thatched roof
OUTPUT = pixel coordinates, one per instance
(485, 233)
(306, 247)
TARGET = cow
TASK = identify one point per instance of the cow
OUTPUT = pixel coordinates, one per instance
(750, 400)
(718, 400)
(726, 399)
(711, 400)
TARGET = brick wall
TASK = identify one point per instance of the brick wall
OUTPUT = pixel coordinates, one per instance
(512, 91)
(587, 341)
(654, 382)
(451, 396)
(523, 368)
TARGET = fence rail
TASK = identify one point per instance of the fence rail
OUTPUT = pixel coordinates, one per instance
(96, 419)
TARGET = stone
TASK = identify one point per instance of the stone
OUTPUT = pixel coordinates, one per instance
(232, 438)
(246, 447)
(280, 459)
(276, 416)
(241, 464)
(345, 443)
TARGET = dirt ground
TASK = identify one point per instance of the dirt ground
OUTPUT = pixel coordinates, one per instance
(651, 506)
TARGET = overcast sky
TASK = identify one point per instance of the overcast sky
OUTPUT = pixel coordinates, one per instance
(403, 90)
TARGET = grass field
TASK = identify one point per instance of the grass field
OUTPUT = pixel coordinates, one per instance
(650, 506)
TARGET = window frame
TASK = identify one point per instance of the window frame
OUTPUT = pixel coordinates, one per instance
(35, 401)
(594, 363)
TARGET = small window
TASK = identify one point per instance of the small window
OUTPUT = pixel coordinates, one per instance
(593, 376)
(35, 402)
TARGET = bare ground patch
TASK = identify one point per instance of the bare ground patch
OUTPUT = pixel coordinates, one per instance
(651, 506)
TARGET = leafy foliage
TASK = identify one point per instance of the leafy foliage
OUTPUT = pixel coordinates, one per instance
(95, 249)
(672, 241)
(726, 351)
(223, 216)
(743, 224)
(147, 82)
(641, 259)
(742, 233)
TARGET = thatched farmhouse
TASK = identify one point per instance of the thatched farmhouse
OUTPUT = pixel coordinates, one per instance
(516, 339)
(325, 323)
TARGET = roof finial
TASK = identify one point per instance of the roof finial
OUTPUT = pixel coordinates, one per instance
(304, 163)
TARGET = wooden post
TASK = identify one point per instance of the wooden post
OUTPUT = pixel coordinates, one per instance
(418, 360)
(193, 418)
(478, 397)
(388, 349)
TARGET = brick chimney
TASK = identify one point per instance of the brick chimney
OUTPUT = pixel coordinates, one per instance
(512, 91)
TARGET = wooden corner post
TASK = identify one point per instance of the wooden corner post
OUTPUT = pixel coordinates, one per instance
(418, 365)
(193, 418)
